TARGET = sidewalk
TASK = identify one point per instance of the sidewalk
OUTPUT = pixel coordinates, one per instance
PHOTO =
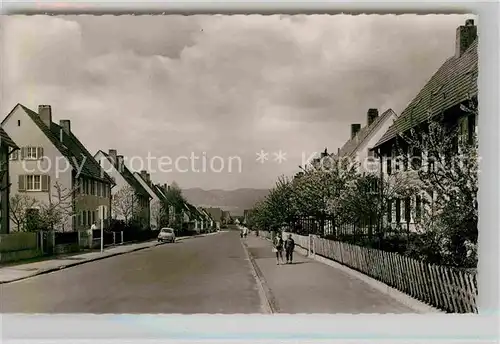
(307, 286)
(22, 271)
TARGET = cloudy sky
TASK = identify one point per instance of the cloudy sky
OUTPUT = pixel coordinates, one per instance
(219, 86)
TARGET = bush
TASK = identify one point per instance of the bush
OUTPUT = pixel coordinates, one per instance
(66, 238)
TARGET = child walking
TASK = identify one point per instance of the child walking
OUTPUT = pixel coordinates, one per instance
(278, 248)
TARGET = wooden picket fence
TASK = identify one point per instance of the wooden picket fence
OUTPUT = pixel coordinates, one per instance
(449, 289)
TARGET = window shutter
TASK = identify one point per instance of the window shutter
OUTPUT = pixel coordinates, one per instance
(39, 152)
(45, 183)
(22, 183)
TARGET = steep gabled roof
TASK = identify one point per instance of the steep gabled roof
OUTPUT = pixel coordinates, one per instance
(5, 138)
(129, 177)
(72, 149)
(151, 186)
(454, 83)
(352, 145)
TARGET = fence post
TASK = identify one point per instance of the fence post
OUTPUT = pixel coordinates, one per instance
(314, 246)
(114, 238)
(122, 236)
(309, 246)
(40, 237)
(90, 237)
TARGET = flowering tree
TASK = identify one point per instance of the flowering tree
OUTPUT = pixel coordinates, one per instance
(176, 202)
(125, 203)
(449, 181)
(157, 212)
(55, 213)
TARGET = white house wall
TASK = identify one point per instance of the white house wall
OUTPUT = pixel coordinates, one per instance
(27, 133)
(155, 201)
(116, 175)
(363, 150)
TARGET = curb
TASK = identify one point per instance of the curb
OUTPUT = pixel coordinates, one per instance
(416, 305)
(62, 267)
(268, 303)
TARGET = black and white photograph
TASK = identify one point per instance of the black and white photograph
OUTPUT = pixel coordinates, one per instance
(239, 164)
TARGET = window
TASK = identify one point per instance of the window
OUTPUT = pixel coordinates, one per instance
(389, 166)
(416, 159)
(14, 155)
(84, 217)
(389, 211)
(398, 211)
(99, 189)
(33, 183)
(31, 153)
(418, 208)
(18, 122)
(92, 187)
(89, 217)
(471, 127)
(431, 161)
(408, 209)
(87, 187)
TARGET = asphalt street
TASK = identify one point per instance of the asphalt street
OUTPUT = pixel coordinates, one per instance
(199, 275)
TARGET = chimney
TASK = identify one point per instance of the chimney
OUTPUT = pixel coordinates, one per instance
(148, 176)
(144, 175)
(66, 125)
(119, 162)
(45, 113)
(112, 154)
(372, 115)
(355, 129)
(466, 34)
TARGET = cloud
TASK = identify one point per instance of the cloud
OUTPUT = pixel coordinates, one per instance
(221, 84)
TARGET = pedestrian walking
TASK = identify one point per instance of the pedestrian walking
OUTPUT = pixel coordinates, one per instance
(245, 232)
(278, 248)
(289, 247)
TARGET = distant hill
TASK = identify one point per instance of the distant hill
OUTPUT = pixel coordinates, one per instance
(234, 201)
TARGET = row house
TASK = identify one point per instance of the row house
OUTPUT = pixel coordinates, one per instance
(217, 216)
(358, 151)
(158, 204)
(444, 96)
(358, 148)
(53, 167)
(172, 214)
(208, 218)
(131, 201)
(7, 147)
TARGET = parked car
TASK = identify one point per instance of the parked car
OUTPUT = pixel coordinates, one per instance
(166, 234)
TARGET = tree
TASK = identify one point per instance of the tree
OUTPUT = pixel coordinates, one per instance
(176, 202)
(55, 213)
(157, 212)
(321, 191)
(19, 204)
(450, 183)
(125, 203)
